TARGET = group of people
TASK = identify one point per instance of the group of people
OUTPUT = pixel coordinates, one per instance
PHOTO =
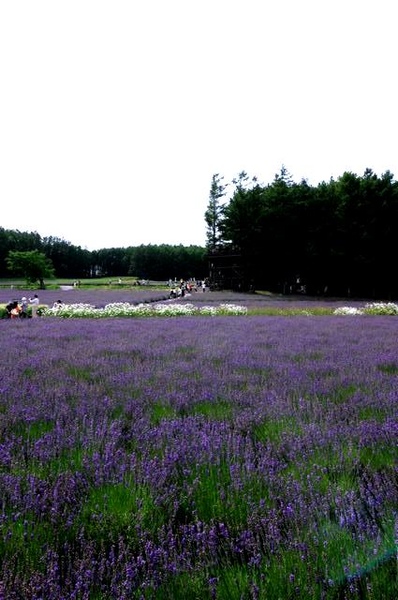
(18, 309)
(179, 289)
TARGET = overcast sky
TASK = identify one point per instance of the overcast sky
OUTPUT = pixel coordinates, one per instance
(115, 115)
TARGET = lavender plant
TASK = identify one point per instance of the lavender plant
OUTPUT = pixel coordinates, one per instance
(198, 457)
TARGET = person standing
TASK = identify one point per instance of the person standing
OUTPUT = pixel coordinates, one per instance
(35, 303)
(24, 307)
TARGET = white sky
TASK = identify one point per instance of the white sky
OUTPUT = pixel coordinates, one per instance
(115, 115)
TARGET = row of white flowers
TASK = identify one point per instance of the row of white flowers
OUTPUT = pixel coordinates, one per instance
(124, 309)
(374, 308)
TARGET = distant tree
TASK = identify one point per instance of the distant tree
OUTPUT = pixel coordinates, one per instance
(111, 262)
(213, 214)
(284, 177)
(165, 262)
(242, 223)
(243, 181)
(16, 240)
(338, 238)
(33, 265)
(69, 261)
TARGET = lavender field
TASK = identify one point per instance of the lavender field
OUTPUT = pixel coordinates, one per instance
(255, 303)
(247, 457)
(86, 296)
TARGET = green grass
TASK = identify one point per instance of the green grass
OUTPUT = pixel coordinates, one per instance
(379, 457)
(369, 413)
(112, 510)
(222, 493)
(67, 461)
(388, 368)
(216, 410)
(91, 283)
(194, 586)
(83, 374)
(272, 431)
(162, 411)
(23, 539)
(32, 431)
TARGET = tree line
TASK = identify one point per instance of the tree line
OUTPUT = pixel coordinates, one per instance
(57, 257)
(335, 238)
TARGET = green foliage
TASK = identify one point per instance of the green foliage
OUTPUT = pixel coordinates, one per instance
(194, 586)
(160, 412)
(24, 541)
(214, 212)
(164, 262)
(32, 431)
(16, 240)
(273, 431)
(33, 265)
(115, 509)
(337, 238)
(381, 308)
(155, 262)
(389, 368)
(217, 410)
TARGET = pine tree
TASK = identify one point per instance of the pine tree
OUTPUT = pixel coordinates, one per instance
(214, 212)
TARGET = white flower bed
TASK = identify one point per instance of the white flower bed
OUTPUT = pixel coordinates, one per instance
(165, 309)
(373, 308)
(381, 308)
(348, 310)
(124, 309)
